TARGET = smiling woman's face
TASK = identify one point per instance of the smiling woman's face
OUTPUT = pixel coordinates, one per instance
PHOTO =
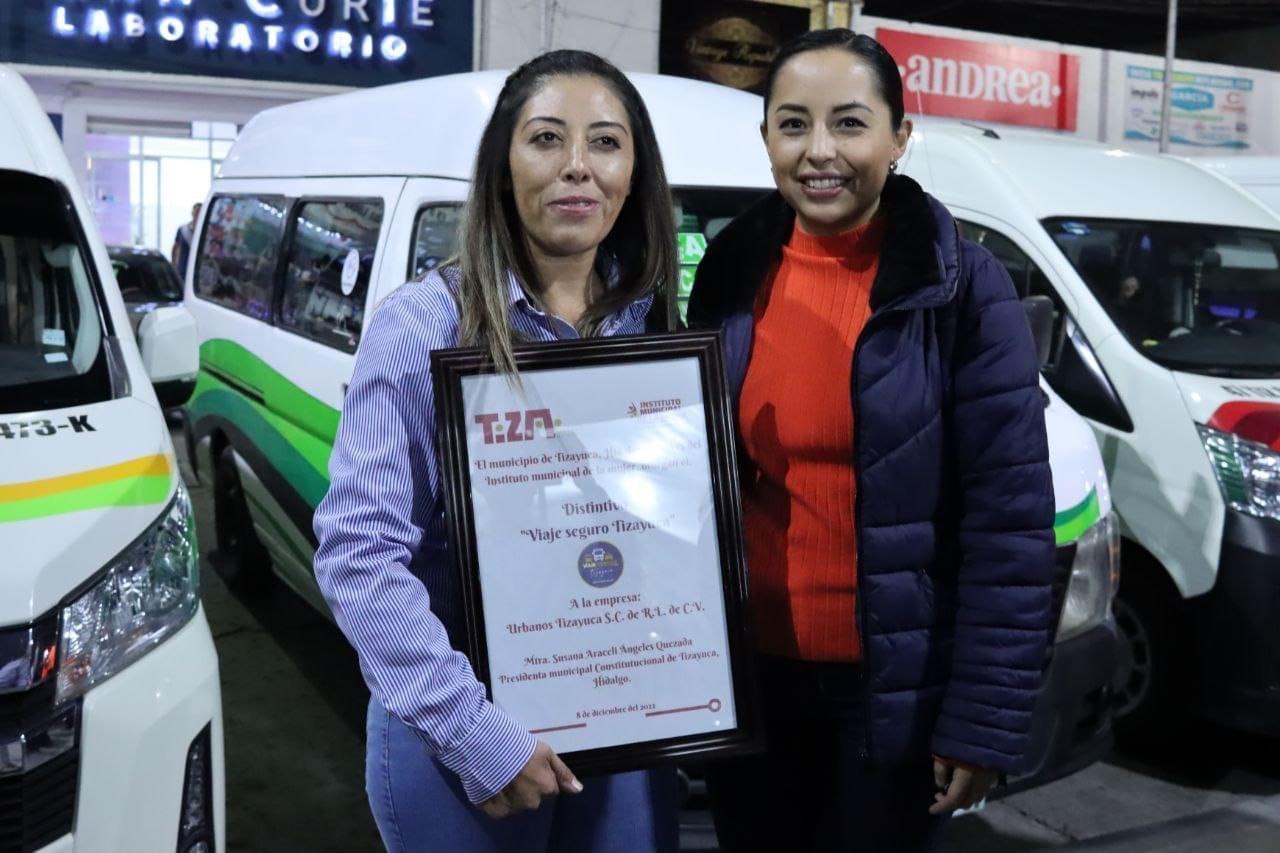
(571, 160)
(830, 137)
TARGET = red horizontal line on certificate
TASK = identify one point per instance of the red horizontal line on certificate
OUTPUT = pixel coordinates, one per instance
(557, 728)
(713, 706)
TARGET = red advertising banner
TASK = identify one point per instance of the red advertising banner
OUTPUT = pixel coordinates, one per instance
(985, 81)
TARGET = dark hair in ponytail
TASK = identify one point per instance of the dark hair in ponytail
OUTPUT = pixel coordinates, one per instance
(864, 47)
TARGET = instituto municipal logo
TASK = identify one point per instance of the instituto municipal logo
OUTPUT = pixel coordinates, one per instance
(600, 564)
(653, 407)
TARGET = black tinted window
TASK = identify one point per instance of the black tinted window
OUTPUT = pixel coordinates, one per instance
(1189, 296)
(145, 277)
(328, 268)
(237, 261)
(700, 215)
(51, 339)
(435, 237)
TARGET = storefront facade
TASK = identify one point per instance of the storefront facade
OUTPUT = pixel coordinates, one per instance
(149, 94)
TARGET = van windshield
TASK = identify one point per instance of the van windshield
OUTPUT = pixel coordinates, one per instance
(52, 351)
(1199, 298)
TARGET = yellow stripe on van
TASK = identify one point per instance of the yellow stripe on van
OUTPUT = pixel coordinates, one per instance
(134, 482)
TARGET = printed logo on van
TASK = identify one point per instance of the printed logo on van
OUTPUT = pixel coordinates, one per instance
(985, 81)
(509, 427)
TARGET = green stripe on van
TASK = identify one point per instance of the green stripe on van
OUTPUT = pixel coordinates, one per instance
(1070, 524)
(274, 440)
(282, 397)
(130, 491)
(290, 428)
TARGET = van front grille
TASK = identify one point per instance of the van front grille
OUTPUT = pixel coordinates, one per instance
(39, 745)
(38, 807)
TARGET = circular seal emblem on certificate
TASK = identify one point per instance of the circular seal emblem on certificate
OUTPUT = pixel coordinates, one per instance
(600, 564)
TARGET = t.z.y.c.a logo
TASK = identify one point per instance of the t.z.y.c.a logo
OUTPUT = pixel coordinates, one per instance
(509, 427)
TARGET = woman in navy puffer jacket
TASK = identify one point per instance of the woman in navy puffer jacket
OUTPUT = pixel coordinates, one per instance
(896, 492)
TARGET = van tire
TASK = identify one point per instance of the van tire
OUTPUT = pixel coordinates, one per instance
(240, 559)
(1151, 687)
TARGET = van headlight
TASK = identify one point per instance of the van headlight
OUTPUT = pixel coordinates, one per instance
(1248, 472)
(1095, 578)
(148, 593)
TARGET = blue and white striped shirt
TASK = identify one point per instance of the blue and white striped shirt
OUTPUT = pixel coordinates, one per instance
(382, 560)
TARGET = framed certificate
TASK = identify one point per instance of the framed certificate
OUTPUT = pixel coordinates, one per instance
(594, 522)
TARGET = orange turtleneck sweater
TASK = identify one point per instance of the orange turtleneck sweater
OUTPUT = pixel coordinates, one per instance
(796, 419)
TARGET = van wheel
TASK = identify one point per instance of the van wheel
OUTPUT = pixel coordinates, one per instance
(1150, 685)
(240, 559)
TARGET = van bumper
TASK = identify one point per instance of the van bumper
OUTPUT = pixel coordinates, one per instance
(1071, 728)
(136, 731)
(1238, 624)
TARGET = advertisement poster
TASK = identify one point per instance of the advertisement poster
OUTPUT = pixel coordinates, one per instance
(1208, 111)
(985, 81)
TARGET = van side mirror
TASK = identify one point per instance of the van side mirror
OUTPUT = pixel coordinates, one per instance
(170, 348)
(1040, 317)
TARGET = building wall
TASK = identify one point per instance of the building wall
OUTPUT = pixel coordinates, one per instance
(623, 31)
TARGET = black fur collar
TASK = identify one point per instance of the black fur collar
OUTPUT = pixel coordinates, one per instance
(919, 251)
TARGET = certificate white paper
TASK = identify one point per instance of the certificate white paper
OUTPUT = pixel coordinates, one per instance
(598, 556)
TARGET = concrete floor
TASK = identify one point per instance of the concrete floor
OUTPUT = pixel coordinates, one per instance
(294, 706)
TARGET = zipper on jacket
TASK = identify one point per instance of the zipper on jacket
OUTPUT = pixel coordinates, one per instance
(861, 605)
(861, 608)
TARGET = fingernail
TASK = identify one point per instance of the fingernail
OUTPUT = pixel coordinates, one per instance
(576, 785)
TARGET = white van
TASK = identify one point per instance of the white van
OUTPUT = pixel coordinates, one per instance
(1259, 174)
(299, 242)
(1166, 283)
(110, 709)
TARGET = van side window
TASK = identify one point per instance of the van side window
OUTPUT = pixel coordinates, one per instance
(435, 237)
(238, 250)
(327, 270)
(1028, 280)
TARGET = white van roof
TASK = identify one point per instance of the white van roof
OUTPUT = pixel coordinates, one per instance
(1246, 169)
(709, 134)
(27, 142)
(1000, 169)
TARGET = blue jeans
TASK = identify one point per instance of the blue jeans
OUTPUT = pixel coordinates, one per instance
(814, 789)
(418, 805)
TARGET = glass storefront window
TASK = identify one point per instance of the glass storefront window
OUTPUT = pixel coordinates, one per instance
(142, 184)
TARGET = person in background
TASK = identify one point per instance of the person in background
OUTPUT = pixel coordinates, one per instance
(897, 498)
(181, 250)
(568, 232)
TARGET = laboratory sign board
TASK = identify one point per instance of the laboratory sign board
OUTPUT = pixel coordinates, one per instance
(985, 81)
(343, 42)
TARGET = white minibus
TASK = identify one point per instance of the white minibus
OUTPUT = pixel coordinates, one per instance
(1257, 173)
(1166, 284)
(110, 708)
(322, 208)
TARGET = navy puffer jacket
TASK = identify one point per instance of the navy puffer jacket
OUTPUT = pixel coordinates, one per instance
(954, 495)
